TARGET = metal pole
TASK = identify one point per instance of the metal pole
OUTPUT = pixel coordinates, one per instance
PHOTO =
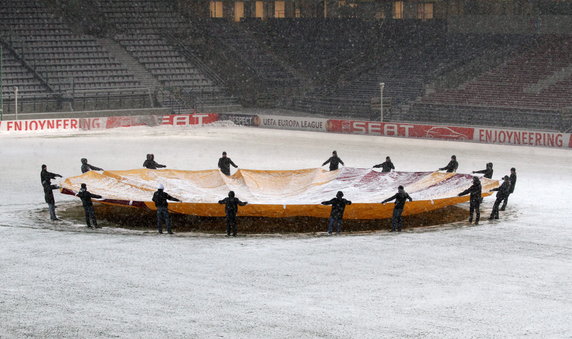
(381, 86)
(1, 85)
(72, 102)
(16, 102)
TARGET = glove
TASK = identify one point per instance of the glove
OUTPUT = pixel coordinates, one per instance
(57, 175)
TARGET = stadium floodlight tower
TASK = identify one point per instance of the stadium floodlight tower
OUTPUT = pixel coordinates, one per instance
(381, 86)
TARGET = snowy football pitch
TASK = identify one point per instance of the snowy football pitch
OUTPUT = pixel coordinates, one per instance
(509, 278)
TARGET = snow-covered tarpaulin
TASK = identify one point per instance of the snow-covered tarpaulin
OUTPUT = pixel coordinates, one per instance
(286, 193)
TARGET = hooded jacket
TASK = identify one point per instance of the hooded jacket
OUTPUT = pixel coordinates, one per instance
(400, 198)
(334, 162)
(475, 190)
(386, 166)
(160, 198)
(338, 207)
(86, 196)
(150, 163)
(87, 167)
(451, 166)
(503, 190)
(488, 172)
(231, 205)
(224, 165)
(512, 182)
(46, 177)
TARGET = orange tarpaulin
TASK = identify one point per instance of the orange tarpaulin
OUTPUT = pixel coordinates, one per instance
(286, 193)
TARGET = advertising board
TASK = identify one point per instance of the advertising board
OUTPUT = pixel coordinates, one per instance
(294, 123)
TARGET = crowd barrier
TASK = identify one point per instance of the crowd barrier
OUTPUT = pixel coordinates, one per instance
(407, 130)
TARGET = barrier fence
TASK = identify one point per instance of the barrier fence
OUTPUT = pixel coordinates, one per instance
(458, 133)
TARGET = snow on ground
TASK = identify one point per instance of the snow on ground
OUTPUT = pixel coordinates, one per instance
(510, 278)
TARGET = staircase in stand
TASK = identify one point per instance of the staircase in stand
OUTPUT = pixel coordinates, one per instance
(140, 72)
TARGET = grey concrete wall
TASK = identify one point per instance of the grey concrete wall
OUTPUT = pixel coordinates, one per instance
(89, 114)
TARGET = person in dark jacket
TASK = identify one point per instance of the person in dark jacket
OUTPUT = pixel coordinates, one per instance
(476, 197)
(46, 177)
(150, 163)
(400, 197)
(87, 167)
(511, 187)
(451, 166)
(386, 166)
(49, 197)
(334, 161)
(85, 197)
(488, 172)
(337, 214)
(502, 193)
(231, 208)
(224, 164)
(160, 199)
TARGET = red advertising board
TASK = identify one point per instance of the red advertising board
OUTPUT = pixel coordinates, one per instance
(134, 120)
(74, 124)
(400, 129)
(481, 135)
(189, 119)
(164, 120)
(34, 125)
(167, 120)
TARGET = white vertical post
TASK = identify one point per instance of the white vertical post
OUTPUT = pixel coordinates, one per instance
(16, 102)
(381, 86)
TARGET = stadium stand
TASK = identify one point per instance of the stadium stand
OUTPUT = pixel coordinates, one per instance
(144, 29)
(250, 68)
(315, 46)
(512, 83)
(529, 89)
(246, 48)
(394, 60)
(122, 53)
(15, 74)
(488, 116)
(406, 70)
(31, 89)
(140, 17)
(70, 64)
